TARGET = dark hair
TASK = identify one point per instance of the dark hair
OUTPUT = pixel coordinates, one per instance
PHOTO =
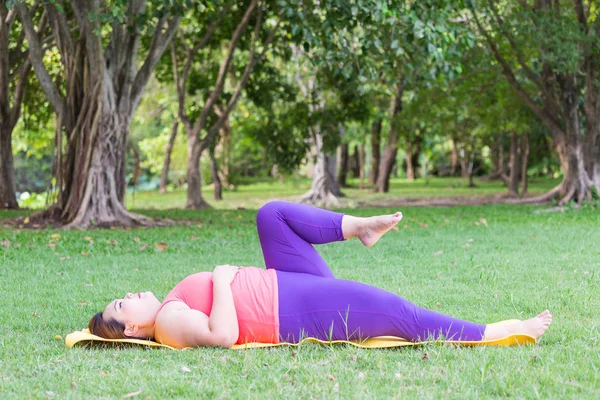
(111, 329)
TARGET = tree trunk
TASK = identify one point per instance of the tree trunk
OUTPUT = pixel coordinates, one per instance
(194, 179)
(375, 151)
(513, 180)
(343, 171)
(8, 197)
(164, 174)
(137, 169)
(391, 149)
(464, 163)
(356, 165)
(454, 158)
(524, 163)
(324, 188)
(410, 171)
(214, 172)
(361, 165)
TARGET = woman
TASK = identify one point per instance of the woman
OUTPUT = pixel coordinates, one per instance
(297, 295)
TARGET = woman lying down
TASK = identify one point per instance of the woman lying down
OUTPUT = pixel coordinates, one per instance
(297, 296)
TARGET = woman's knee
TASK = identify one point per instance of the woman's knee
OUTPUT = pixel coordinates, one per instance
(270, 210)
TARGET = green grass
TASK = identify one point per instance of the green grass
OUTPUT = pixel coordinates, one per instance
(517, 264)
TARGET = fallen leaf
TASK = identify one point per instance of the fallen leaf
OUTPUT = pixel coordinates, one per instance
(58, 337)
(483, 221)
(35, 314)
(143, 247)
(49, 393)
(74, 385)
(470, 240)
(466, 245)
(26, 220)
(360, 375)
(144, 361)
(137, 239)
(58, 361)
(395, 228)
(82, 303)
(112, 242)
(336, 387)
(477, 223)
(85, 253)
(51, 245)
(446, 220)
(87, 238)
(5, 243)
(55, 237)
(132, 394)
(88, 284)
(194, 237)
(397, 375)
(64, 258)
(104, 373)
(438, 253)
(199, 225)
(185, 369)
(161, 246)
(331, 377)
(422, 225)
(437, 304)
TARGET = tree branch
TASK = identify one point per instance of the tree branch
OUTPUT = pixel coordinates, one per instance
(24, 70)
(254, 59)
(224, 66)
(35, 55)
(553, 105)
(61, 32)
(180, 85)
(159, 45)
(550, 120)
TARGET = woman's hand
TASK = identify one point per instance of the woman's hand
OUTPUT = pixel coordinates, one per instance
(224, 274)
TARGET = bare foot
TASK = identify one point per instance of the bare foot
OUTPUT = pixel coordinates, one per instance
(372, 228)
(535, 327)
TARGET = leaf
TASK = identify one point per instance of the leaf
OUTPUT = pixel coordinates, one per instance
(466, 245)
(483, 221)
(137, 239)
(143, 247)
(132, 394)
(58, 337)
(5, 243)
(51, 245)
(336, 387)
(55, 237)
(87, 238)
(161, 246)
(331, 377)
(438, 253)
(64, 258)
(185, 369)
(360, 375)
(85, 253)
(112, 242)
(26, 220)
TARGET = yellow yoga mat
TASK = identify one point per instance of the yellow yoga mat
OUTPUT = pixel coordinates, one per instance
(84, 336)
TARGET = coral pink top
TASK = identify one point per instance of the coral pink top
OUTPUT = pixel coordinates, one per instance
(254, 294)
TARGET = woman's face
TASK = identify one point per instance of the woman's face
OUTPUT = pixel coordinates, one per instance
(135, 311)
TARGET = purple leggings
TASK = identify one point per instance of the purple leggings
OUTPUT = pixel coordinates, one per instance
(312, 303)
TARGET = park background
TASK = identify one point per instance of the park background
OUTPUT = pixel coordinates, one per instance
(158, 128)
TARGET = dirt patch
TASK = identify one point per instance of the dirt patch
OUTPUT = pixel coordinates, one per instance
(446, 201)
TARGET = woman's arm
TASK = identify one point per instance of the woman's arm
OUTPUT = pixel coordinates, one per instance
(179, 326)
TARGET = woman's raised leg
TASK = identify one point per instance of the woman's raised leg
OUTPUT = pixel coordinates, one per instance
(287, 232)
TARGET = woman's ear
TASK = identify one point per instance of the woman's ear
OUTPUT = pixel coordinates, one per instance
(131, 330)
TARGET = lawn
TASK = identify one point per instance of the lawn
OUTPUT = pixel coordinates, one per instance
(483, 263)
